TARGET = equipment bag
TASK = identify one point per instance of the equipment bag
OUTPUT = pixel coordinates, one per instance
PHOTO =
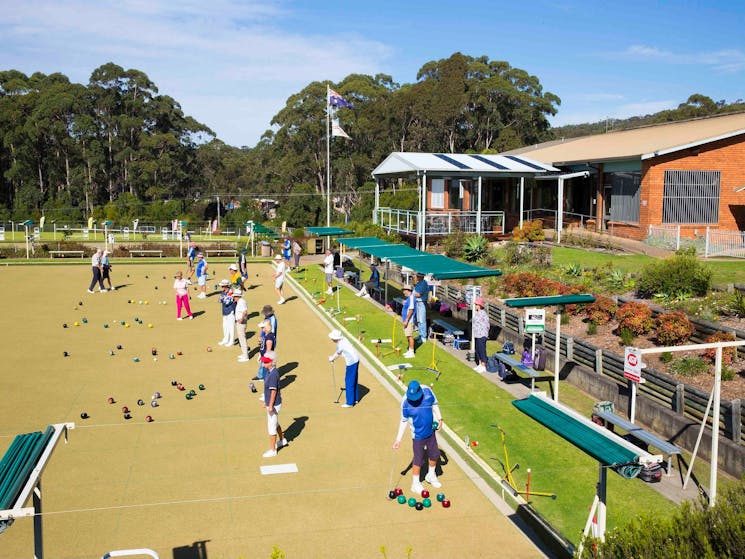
(651, 473)
(527, 358)
(494, 365)
(508, 348)
(539, 360)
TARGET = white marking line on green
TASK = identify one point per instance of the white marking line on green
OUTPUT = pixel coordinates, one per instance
(279, 469)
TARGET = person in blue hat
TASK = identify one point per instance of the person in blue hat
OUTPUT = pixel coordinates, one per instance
(419, 410)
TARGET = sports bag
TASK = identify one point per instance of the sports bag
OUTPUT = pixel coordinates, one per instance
(494, 365)
(527, 358)
(539, 359)
(508, 348)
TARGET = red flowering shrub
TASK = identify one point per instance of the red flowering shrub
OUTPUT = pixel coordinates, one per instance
(526, 284)
(635, 317)
(673, 328)
(728, 353)
(574, 309)
(601, 311)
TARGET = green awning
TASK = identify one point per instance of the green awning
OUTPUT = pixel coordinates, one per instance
(260, 229)
(593, 441)
(440, 267)
(550, 300)
(328, 231)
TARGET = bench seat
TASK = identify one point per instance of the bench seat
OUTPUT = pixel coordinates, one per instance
(516, 366)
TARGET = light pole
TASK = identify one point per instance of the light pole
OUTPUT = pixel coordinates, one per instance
(26, 225)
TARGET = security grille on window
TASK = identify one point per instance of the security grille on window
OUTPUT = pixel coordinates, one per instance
(691, 197)
(624, 201)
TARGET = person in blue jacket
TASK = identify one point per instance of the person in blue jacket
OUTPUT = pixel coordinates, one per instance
(373, 282)
(420, 411)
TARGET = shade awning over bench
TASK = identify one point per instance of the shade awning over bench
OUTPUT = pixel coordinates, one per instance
(328, 231)
(440, 267)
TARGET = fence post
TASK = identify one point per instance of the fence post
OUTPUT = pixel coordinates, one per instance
(570, 349)
(520, 326)
(679, 398)
(502, 317)
(677, 239)
(706, 244)
(599, 361)
(734, 420)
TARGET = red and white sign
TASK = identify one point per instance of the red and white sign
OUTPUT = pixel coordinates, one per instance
(632, 365)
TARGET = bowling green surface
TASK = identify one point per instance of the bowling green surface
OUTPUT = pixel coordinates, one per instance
(189, 484)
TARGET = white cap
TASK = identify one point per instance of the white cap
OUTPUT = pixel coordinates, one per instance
(335, 335)
(278, 257)
(237, 293)
(224, 283)
(233, 267)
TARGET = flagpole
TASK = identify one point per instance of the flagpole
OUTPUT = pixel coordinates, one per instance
(328, 163)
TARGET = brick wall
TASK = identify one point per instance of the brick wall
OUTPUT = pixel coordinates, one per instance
(726, 156)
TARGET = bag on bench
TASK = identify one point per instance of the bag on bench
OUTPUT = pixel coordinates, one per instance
(494, 365)
(539, 359)
(527, 358)
(508, 348)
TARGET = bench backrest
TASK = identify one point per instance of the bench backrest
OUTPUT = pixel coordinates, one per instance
(18, 462)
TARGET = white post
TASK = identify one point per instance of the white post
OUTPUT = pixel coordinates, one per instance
(715, 427)
(377, 201)
(105, 237)
(522, 200)
(557, 353)
(423, 219)
(633, 402)
(602, 494)
(560, 211)
(706, 246)
(180, 240)
(26, 228)
(478, 210)
(328, 164)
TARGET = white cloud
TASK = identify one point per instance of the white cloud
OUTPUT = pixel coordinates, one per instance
(723, 60)
(235, 56)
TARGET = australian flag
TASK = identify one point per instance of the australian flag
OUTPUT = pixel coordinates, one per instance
(336, 100)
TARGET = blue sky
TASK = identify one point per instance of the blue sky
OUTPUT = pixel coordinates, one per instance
(232, 64)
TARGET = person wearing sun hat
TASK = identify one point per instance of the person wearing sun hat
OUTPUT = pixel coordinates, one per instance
(228, 314)
(352, 359)
(241, 314)
(279, 277)
(266, 343)
(236, 279)
(480, 325)
(420, 411)
(201, 270)
(273, 403)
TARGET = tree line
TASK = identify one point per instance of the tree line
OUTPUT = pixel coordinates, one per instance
(116, 149)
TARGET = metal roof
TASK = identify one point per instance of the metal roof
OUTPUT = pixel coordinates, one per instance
(328, 231)
(406, 164)
(640, 143)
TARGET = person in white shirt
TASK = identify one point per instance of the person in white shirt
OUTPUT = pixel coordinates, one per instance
(97, 270)
(328, 269)
(241, 314)
(181, 286)
(279, 277)
(345, 348)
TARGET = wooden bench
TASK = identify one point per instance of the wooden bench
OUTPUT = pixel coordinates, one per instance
(447, 328)
(63, 253)
(377, 293)
(144, 252)
(516, 366)
(645, 436)
(220, 251)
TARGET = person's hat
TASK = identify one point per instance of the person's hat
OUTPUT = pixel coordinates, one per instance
(106, 253)
(373, 265)
(414, 392)
(479, 301)
(407, 287)
(244, 250)
(224, 283)
(237, 293)
(267, 309)
(278, 257)
(269, 357)
(233, 267)
(200, 255)
(335, 335)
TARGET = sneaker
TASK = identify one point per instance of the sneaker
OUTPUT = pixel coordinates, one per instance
(409, 354)
(179, 318)
(329, 291)
(366, 296)
(347, 405)
(191, 317)
(417, 487)
(359, 294)
(479, 369)
(270, 453)
(243, 359)
(261, 398)
(112, 288)
(102, 291)
(91, 291)
(281, 444)
(431, 478)
(281, 301)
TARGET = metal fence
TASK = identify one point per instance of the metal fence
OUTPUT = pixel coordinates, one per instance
(724, 243)
(440, 223)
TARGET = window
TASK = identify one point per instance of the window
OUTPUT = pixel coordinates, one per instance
(691, 197)
(455, 199)
(438, 194)
(624, 195)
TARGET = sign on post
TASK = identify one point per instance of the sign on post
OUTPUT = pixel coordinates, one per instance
(473, 292)
(535, 321)
(632, 365)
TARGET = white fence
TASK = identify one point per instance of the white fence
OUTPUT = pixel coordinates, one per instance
(440, 223)
(725, 243)
(714, 243)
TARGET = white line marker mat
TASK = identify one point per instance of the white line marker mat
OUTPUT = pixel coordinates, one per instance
(279, 469)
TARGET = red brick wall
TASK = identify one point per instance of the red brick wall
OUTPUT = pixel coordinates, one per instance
(726, 156)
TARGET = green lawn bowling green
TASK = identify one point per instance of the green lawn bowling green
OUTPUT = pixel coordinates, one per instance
(193, 474)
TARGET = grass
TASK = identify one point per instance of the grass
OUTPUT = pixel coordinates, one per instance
(471, 405)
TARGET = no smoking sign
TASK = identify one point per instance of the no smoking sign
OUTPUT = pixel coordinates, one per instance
(632, 367)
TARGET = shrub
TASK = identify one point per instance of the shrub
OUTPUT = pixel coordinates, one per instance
(574, 309)
(728, 353)
(666, 356)
(601, 311)
(531, 231)
(592, 328)
(454, 243)
(674, 277)
(635, 317)
(727, 373)
(673, 328)
(736, 304)
(475, 248)
(526, 284)
(516, 254)
(689, 366)
(627, 336)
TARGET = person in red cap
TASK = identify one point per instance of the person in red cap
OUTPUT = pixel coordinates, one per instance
(272, 403)
(480, 325)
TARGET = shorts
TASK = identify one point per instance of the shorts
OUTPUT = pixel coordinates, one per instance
(433, 451)
(278, 283)
(409, 329)
(272, 420)
(329, 278)
(202, 280)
